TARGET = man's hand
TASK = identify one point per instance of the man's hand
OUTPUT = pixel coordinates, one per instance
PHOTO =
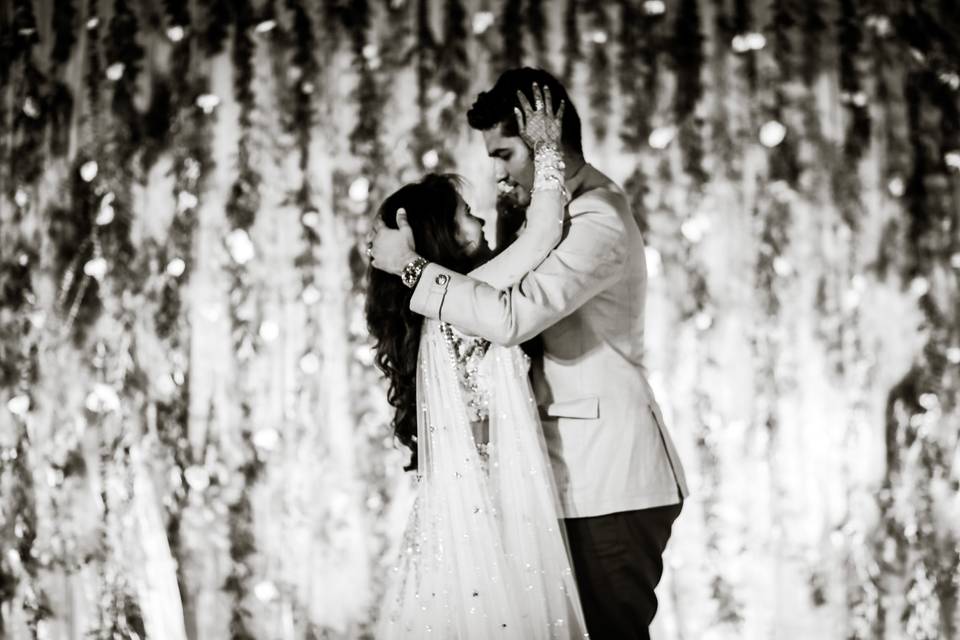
(391, 250)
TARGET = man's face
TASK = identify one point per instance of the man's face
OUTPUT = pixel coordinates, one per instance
(513, 162)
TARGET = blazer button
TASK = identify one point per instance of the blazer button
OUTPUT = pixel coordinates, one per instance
(442, 279)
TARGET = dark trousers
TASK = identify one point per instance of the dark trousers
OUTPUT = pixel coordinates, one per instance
(618, 559)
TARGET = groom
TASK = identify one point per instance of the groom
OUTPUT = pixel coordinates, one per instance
(620, 481)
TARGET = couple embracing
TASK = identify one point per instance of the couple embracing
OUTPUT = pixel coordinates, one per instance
(547, 482)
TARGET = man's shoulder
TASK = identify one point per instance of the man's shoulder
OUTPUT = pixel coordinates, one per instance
(599, 194)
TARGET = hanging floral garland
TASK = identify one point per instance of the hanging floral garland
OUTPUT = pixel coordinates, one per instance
(215, 25)
(849, 37)
(745, 41)
(511, 35)
(20, 563)
(427, 145)
(454, 66)
(125, 61)
(687, 48)
(638, 78)
(571, 42)
(241, 212)
(60, 102)
(537, 28)
(119, 614)
(598, 59)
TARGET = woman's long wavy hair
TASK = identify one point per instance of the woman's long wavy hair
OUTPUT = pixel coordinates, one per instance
(431, 206)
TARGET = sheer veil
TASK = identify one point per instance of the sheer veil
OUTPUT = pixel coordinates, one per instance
(483, 554)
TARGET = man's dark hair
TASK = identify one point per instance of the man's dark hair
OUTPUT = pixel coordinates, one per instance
(495, 107)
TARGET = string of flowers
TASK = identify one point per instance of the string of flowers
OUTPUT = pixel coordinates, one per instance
(598, 59)
(638, 80)
(573, 54)
(241, 211)
(189, 141)
(745, 42)
(687, 51)
(119, 614)
(511, 35)
(60, 100)
(29, 101)
(20, 564)
(454, 65)
(849, 37)
(428, 151)
(537, 28)
(925, 402)
(27, 86)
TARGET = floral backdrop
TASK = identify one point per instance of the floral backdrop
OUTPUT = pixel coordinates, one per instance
(194, 442)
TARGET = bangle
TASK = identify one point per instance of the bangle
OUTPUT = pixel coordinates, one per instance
(548, 169)
(412, 271)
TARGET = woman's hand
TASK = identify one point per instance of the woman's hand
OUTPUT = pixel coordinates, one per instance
(539, 125)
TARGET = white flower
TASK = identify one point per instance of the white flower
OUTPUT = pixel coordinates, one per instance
(89, 170)
(105, 214)
(482, 20)
(208, 102)
(176, 33)
(269, 331)
(599, 37)
(772, 133)
(430, 159)
(266, 26)
(360, 189)
(176, 267)
(896, 187)
(197, 477)
(186, 200)
(661, 137)
(311, 295)
(654, 7)
(115, 71)
(19, 405)
(782, 266)
(919, 286)
(703, 321)
(240, 246)
(310, 219)
(103, 399)
(21, 197)
(95, 267)
(30, 108)
(310, 363)
(695, 227)
(266, 439)
(265, 591)
(952, 158)
(92, 23)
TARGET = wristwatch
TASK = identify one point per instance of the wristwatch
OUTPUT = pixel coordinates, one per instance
(411, 273)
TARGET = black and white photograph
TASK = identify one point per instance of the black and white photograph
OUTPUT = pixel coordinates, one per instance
(479, 319)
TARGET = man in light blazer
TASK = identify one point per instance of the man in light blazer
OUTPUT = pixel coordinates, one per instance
(620, 480)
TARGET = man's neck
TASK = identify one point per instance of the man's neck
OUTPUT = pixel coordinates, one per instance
(573, 166)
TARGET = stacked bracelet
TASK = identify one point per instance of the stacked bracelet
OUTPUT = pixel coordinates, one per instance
(548, 170)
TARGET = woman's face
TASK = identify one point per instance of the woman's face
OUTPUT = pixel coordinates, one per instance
(470, 229)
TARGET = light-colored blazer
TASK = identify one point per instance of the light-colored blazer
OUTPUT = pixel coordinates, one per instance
(609, 446)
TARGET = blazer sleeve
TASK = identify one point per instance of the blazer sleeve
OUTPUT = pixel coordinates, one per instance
(590, 257)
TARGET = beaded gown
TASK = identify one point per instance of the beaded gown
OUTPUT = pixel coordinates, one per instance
(483, 554)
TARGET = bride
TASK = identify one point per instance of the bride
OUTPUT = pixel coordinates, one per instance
(483, 554)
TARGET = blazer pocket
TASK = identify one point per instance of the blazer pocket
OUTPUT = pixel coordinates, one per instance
(584, 408)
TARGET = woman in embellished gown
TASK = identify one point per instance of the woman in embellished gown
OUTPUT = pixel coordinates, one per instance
(483, 554)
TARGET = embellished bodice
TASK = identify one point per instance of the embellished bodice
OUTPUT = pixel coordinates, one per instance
(466, 354)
